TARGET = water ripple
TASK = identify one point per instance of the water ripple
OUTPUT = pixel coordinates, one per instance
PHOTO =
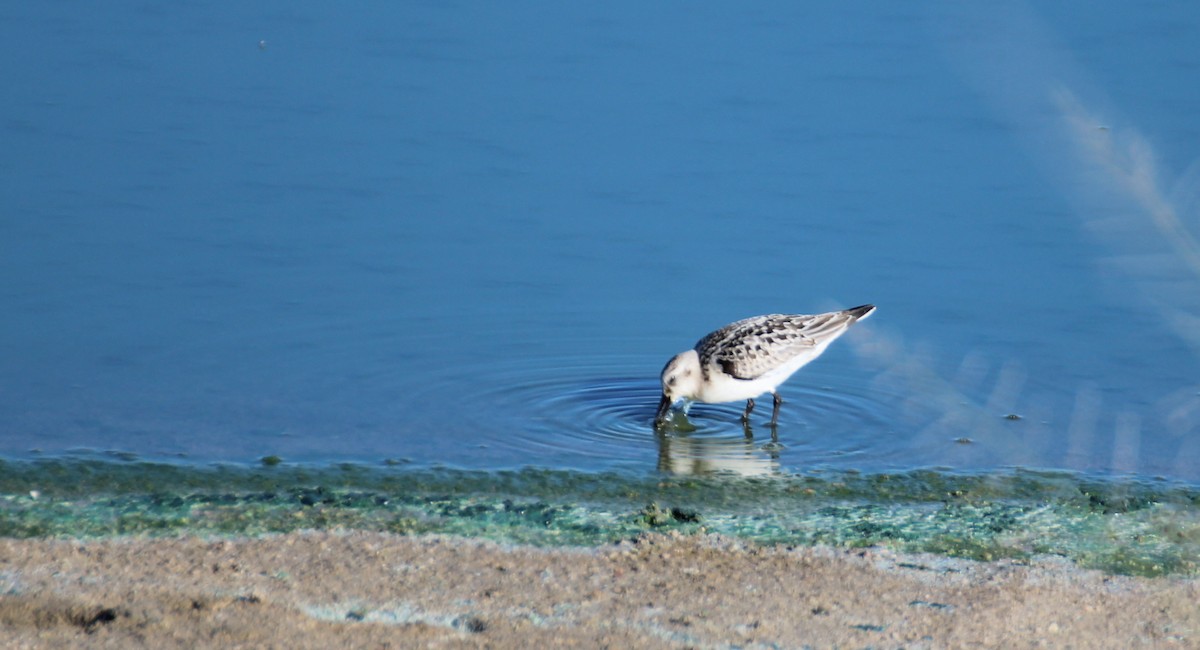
(591, 413)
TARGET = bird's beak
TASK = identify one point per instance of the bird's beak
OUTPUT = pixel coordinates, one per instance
(664, 407)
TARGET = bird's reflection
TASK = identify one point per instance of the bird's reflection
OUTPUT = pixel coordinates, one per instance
(683, 452)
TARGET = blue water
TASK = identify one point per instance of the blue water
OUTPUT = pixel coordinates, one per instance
(471, 234)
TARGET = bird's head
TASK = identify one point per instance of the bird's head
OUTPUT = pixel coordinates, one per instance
(680, 381)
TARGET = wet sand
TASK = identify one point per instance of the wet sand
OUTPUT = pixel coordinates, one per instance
(321, 590)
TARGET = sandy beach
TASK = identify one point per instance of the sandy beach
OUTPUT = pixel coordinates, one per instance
(363, 589)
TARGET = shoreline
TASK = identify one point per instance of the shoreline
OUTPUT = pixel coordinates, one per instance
(158, 555)
(1141, 528)
(342, 589)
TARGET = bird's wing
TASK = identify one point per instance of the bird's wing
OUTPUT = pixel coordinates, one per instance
(749, 348)
(755, 346)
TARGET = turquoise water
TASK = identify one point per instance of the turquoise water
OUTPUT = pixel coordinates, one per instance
(463, 239)
(1129, 527)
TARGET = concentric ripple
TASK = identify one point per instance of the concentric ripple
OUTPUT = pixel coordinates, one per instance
(587, 413)
(597, 412)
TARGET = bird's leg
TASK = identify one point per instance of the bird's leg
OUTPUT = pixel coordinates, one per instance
(746, 414)
(775, 411)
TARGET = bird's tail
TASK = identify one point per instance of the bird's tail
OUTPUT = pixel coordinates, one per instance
(860, 312)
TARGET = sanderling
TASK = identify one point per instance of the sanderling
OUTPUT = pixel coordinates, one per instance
(750, 357)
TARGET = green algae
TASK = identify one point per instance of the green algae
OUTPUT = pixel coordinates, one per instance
(1148, 528)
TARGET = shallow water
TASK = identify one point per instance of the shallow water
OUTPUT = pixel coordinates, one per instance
(1149, 528)
(471, 235)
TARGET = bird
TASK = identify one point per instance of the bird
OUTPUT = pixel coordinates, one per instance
(745, 359)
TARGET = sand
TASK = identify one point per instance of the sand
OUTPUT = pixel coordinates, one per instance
(358, 589)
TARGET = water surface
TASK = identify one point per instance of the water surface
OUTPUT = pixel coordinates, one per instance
(470, 235)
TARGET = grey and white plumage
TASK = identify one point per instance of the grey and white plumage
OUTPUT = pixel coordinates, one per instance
(750, 357)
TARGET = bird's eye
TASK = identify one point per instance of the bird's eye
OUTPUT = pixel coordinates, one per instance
(671, 380)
